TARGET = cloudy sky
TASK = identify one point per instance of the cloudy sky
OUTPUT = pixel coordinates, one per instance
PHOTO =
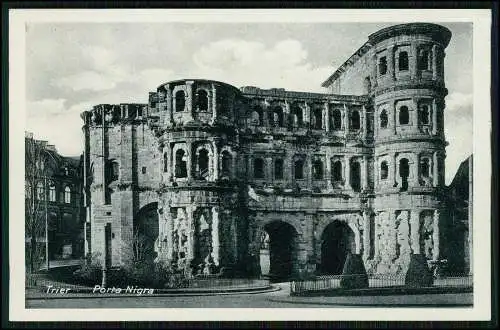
(72, 66)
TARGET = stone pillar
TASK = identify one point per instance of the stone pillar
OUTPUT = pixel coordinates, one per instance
(265, 113)
(214, 104)
(346, 119)
(435, 235)
(434, 117)
(415, 122)
(376, 169)
(286, 115)
(435, 174)
(215, 235)
(395, 172)
(377, 243)
(189, 101)
(268, 161)
(435, 54)
(376, 121)
(170, 162)
(170, 111)
(412, 58)
(365, 123)
(366, 235)
(347, 172)
(189, 155)
(394, 118)
(191, 233)
(328, 169)
(326, 117)
(415, 231)
(308, 172)
(307, 115)
(390, 62)
(215, 146)
(364, 173)
(373, 74)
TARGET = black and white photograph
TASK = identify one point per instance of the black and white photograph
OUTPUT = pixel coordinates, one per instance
(266, 164)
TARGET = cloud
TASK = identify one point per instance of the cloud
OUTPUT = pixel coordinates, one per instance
(242, 63)
(456, 101)
(86, 80)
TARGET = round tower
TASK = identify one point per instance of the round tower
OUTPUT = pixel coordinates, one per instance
(408, 90)
(199, 200)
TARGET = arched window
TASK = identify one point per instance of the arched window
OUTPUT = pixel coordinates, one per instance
(202, 100)
(278, 169)
(404, 173)
(112, 170)
(355, 120)
(52, 192)
(180, 164)
(403, 61)
(40, 191)
(423, 60)
(258, 168)
(384, 170)
(317, 170)
(255, 120)
(297, 116)
(423, 115)
(203, 161)
(277, 117)
(404, 115)
(337, 119)
(355, 176)
(67, 195)
(180, 101)
(382, 65)
(317, 118)
(165, 162)
(383, 119)
(424, 168)
(227, 161)
(299, 169)
(337, 171)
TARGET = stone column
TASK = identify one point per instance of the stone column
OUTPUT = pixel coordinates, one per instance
(191, 233)
(394, 118)
(376, 169)
(346, 119)
(286, 115)
(413, 60)
(376, 121)
(307, 115)
(364, 173)
(435, 174)
(390, 62)
(347, 174)
(215, 146)
(435, 54)
(215, 235)
(377, 247)
(189, 155)
(169, 234)
(189, 103)
(170, 114)
(434, 117)
(395, 172)
(415, 231)
(365, 123)
(373, 73)
(270, 169)
(415, 122)
(170, 161)
(435, 235)
(366, 235)
(328, 169)
(265, 113)
(326, 117)
(214, 104)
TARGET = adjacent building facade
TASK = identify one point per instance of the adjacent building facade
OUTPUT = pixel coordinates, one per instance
(212, 178)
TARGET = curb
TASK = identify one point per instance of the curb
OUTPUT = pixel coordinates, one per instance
(383, 291)
(87, 293)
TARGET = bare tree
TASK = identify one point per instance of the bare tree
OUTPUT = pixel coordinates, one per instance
(35, 194)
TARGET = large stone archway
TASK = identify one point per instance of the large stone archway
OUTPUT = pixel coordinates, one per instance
(145, 232)
(337, 240)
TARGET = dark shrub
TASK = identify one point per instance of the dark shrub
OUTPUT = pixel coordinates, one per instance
(354, 273)
(91, 271)
(418, 274)
(152, 275)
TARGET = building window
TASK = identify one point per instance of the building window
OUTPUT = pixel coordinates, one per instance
(382, 65)
(276, 117)
(424, 168)
(355, 176)
(180, 101)
(278, 169)
(139, 112)
(337, 119)
(317, 170)
(317, 118)
(383, 119)
(40, 191)
(227, 160)
(202, 100)
(297, 118)
(144, 170)
(112, 170)
(165, 162)
(299, 169)
(337, 171)
(423, 60)
(423, 115)
(52, 192)
(403, 61)
(255, 120)
(404, 173)
(203, 161)
(404, 115)
(258, 168)
(180, 164)
(67, 195)
(384, 170)
(354, 120)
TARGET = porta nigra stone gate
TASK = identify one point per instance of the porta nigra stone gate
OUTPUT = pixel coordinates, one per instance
(212, 178)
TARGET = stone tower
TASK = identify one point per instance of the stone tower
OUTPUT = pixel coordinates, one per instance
(407, 90)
